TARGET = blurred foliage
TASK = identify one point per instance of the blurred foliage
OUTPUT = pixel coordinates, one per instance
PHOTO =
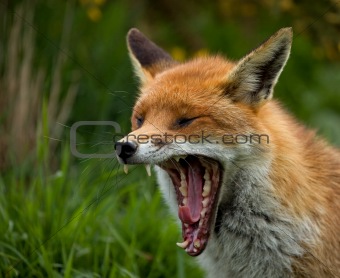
(23, 91)
(91, 36)
(81, 45)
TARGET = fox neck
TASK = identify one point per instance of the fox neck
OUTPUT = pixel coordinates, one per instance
(254, 236)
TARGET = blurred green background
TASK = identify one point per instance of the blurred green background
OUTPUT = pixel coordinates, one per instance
(66, 61)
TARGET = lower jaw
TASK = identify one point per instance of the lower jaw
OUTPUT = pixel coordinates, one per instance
(196, 234)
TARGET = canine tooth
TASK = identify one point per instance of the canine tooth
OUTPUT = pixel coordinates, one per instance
(126, 168)
(203, 212)
(184, 191)
(182, 175)
(206, 188)
(148, 169)
(185, 201)
(186, 225)
(184, 183)
(205, 202)
(177, 158)
(183, 244)
(200, 223)
(206, 175)
(197, 243)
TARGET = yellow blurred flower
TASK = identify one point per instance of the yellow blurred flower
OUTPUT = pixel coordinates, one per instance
(178, 53)
(99, 2)
(201, 53)
(286, 5)
(94, 13)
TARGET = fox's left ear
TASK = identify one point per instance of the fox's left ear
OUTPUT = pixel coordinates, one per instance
(147, 58)
(254, 77)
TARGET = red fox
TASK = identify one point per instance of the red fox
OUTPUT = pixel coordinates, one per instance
(255, 192)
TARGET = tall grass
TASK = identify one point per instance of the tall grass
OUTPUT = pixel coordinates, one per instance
(94, 223)
(25, 89)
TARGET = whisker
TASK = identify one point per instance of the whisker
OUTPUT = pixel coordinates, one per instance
(175, 164)
(54, 139)
(84, 131)
(103, 160)
(102, 190)
(102, 143)
(98, 143)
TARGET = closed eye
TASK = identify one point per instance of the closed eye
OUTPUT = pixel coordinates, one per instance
(139, 121)
(183, 122)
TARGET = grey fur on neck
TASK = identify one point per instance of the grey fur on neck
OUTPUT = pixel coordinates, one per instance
(253, 236)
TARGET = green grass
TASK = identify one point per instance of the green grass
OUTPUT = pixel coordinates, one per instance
(89, 220)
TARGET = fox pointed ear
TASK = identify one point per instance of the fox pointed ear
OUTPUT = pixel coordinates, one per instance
(254, 77)
(148, 59)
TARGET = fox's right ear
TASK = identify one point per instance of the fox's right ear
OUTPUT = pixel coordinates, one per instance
(148, 59)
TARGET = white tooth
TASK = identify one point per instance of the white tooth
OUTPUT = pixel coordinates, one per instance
(206, 175)
(197, 243)
(183, 244)
(182, 175)
(206, 188)
(186, 225)
(185, 201)
(183, 183)
(126, 168)
(195, 250)
(148, 169)
(177, 158)
(200, 223)
(184, 191)
(203, 212)
(205, 202)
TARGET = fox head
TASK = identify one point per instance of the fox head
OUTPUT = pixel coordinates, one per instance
(200, 123)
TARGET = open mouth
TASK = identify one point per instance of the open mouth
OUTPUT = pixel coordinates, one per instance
(196, 181)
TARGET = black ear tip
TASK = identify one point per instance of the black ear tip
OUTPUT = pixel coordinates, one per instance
(144, 50)
(134, 34)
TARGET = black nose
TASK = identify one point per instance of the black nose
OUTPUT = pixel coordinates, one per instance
(125, 149)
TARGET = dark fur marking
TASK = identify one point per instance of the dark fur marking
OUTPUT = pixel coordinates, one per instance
(267, 72)
(145, 51)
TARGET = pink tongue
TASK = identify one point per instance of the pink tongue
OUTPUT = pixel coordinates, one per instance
(190, 213)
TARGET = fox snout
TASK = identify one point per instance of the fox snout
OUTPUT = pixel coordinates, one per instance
(140, 146)
(125, 150)
(135, 148)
